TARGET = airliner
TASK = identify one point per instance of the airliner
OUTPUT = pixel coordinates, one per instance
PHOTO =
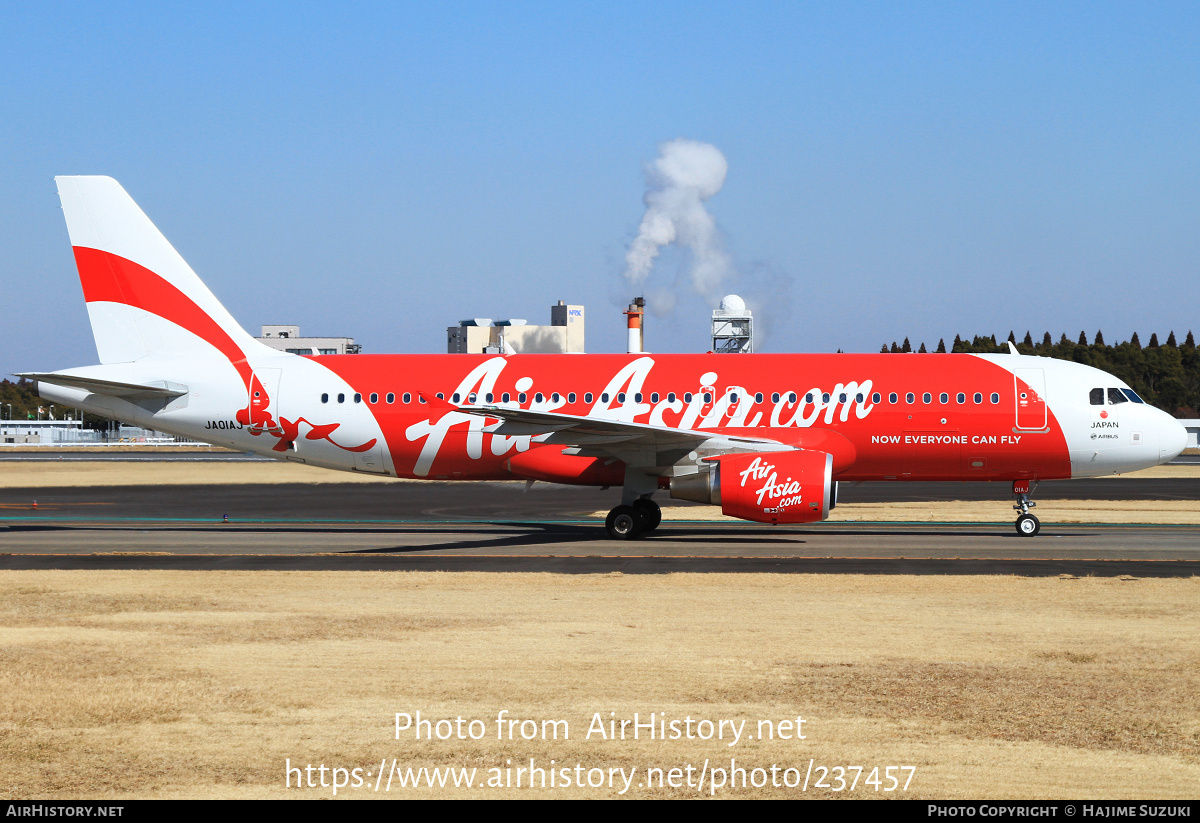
(767, 437)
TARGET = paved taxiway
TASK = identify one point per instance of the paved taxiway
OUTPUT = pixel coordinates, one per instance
(495, 526)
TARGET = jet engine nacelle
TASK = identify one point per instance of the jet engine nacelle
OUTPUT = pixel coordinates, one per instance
(767, 487)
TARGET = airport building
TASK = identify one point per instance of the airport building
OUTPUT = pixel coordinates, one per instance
(288, 339)
(482, 335)
(17, 433)
(38, 432)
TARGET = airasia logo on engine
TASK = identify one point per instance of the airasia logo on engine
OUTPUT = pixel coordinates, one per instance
(788, 490)
(776, 487)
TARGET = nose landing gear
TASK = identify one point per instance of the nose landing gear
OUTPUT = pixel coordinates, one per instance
(1027, 524)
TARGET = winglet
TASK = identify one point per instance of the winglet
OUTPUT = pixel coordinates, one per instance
(1011, 348)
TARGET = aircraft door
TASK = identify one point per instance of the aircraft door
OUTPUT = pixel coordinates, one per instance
(264, 400)
(1030, 387)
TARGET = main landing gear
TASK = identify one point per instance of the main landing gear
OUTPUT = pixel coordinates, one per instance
(1027, 524)
(632, 521)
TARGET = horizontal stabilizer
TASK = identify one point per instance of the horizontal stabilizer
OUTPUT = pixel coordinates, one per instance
(111, 388)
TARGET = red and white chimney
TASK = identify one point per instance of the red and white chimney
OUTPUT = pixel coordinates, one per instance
(636, 314)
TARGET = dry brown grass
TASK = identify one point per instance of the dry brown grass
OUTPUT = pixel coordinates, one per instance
(102, 473)
(201, 684)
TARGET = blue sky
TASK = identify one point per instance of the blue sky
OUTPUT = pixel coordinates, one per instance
(384, 170)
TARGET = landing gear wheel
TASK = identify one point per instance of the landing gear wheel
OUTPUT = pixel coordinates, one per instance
(623, 523)
(650, 511)
(1028, 525)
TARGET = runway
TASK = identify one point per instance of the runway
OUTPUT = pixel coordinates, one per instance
(498, 527)
(495, 501)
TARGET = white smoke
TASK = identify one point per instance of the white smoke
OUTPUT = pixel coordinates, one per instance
(685, 174)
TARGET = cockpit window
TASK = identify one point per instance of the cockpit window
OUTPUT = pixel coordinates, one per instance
(1132, 395)
(1115, 397)
(1097, 397)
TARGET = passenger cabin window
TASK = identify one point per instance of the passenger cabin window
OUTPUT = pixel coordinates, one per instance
(522, 397)
(571, 397)
(341, 398)
(325, 398)
(604, 397)
(758, 397)
(943, 398)
(927, 398)
(1096, 396)
(587, 397)
(910, 398)
(374, 397)
(775, 397)
(995, 398)
(357, 397)
(539, 397)
(960, 397)
(792, 398)
(1115, 396)
(456, 397)
(893, 397)
(978, 398)
(504, 398)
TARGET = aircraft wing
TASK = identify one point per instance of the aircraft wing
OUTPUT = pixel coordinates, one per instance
(596, 432)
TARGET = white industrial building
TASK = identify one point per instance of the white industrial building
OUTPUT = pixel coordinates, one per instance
(480, 335)
(732, 327)
(288, 339)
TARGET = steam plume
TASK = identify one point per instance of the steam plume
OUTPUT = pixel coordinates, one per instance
(685, 174)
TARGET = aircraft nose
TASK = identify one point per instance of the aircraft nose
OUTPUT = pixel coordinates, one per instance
(1172, 439)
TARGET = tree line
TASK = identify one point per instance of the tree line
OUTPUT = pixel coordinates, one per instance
(1165, 374)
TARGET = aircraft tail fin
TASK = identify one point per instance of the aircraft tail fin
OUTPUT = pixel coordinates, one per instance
(142, 297)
